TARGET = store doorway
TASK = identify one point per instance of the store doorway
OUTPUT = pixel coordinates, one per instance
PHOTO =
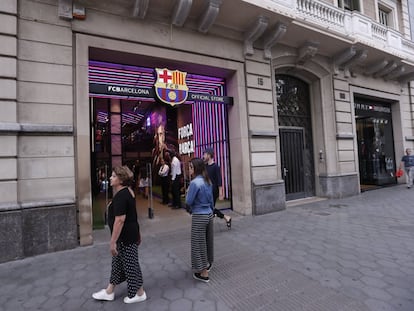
(375, 144)
(143, 132)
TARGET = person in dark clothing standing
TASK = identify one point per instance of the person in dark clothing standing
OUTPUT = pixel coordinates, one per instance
(214, 173)
(125, 237)
(163, 173)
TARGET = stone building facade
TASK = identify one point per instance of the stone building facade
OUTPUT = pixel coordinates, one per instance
(322, 102)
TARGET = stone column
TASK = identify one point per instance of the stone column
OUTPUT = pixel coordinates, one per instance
(38, 165)
(10, 220)
(268, 188)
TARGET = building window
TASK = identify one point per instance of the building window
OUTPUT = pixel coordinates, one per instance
(384, 16)
(387, 13)
(351, 5)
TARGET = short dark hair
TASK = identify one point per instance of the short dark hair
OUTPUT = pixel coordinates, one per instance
(209, 151)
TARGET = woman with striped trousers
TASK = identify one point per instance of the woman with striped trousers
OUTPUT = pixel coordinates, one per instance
(201, 204)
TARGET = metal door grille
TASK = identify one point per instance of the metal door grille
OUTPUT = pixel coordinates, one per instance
(296, 141)
(291, 142)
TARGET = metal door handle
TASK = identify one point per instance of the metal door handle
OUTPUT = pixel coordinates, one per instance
(285, 171)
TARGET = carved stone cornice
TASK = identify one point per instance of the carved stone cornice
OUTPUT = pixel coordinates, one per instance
(209, 16)
(254, 32)
(181, 10)
(306, 52)
(386, 70)
(140, 8)
(277, 33)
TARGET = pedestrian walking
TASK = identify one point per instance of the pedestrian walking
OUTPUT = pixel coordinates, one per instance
(200, 202)
(175, 181)
(125, 237)
(214, 173)
(408, 161)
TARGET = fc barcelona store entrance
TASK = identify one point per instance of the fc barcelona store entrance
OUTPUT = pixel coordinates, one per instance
(375, 143)
(140, 116)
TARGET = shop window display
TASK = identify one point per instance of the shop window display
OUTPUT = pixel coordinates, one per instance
(375, 143)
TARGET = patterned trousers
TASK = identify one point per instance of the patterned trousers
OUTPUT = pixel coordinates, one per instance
(125, 267)
(202, 241)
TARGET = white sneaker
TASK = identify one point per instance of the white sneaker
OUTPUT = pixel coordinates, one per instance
(136, 298)
(103, 295)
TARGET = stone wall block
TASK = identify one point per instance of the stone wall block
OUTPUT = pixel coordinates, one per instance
(341, 85)
(46, 73)
(8, 89)
(8, 6)
(339, 186)
(266, 174)
(269, 199)
(30, 92)
(257, 95)
(49, 229)
(45, 52)
(263, 159)
(345, 144)
(262, 144)
(259, 82)
(343, 106)
(8, 67)
(46, 189)
(260, 109)
(344, 117)
(40, 113)
(262, 124)
(344, 128)
(346, 155)
(41, 12)
(8, 114)
(41, 32)
(8, 45)
(257, 68)
(8, 146)
(342, 96)
(37, 146)
(11, 235)
(8, 24)
(34, 168)
(8, 194)
(8, 168)
(347, 167)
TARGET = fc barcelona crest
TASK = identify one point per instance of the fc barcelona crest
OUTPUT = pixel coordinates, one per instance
(170, 86)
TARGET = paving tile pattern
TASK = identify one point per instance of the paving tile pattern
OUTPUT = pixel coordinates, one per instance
(353, 254)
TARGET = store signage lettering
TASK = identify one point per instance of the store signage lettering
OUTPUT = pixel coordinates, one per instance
(186, 132)
(170, 87)
(127, 90)
(110, 89)
(206, 97)
(373, 108)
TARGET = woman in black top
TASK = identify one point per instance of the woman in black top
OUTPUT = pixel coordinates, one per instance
(123, 223)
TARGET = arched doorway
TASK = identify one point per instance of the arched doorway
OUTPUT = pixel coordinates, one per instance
(296, 141)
